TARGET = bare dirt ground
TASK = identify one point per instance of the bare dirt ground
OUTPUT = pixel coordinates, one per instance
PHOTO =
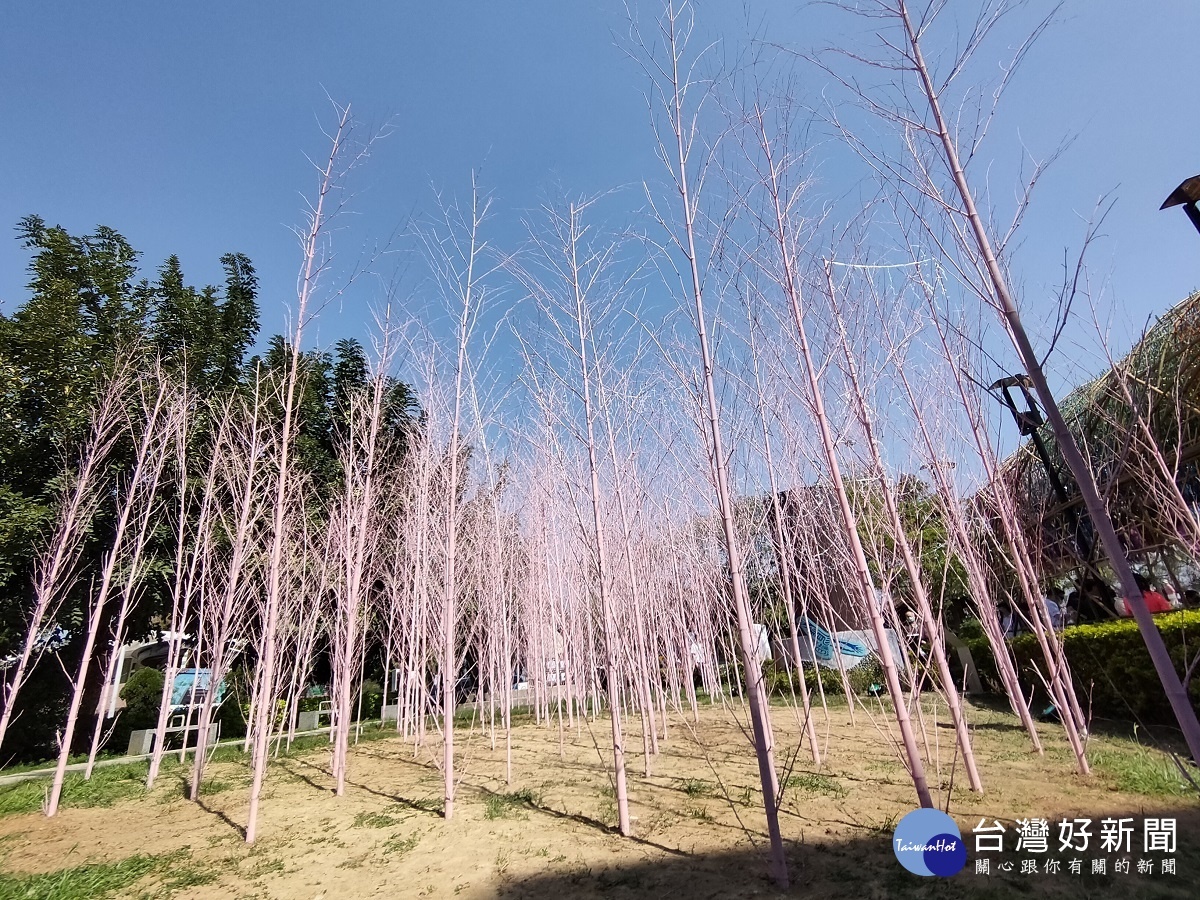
(698, 833)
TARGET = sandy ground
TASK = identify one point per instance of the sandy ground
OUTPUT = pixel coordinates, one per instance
(697, 832)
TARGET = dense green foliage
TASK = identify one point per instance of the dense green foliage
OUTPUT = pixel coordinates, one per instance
(85, 315)
(926, 532)
(1109, 663)
(864, 679)
(142, 694)
(89, 313)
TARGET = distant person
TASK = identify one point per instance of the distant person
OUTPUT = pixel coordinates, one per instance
(912, 628)
(1071, 610)
(1098, 602)
(1054, 608)
(1155, 602)
(1005, 614)
(1171, 595)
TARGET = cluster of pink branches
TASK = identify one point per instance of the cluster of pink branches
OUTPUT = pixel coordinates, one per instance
(705, 406)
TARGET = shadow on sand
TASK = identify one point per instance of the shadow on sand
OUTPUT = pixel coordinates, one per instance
(865, 867)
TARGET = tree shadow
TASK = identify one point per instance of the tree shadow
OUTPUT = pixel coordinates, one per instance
(588, 821)
(222, 816)
(1005, 727)
(422, 806)
(325, 789)
(416, 805)
(1162, 736)
(865, 867)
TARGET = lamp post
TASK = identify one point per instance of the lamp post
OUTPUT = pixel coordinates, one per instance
(1029, 422)
(1186, 195)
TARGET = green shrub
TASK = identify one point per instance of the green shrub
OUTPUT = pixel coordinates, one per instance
(142, 694)
(867, 677)
(1109, 663)
(863, 678)
(232, 718)
(971, 630)
(372, 700)
(729, 677)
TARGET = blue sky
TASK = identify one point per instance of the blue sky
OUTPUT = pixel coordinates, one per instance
(184, 126)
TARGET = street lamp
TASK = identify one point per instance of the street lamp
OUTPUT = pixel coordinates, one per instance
(1186, 195)
(1029, 423)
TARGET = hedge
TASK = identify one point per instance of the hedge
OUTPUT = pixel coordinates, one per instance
(1109, 663)
(865, 678)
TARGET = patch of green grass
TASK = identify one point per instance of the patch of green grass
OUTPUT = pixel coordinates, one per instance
(698, 812)
(76, 759)
(503, 861)
(500, 806)
(607, 813)
(232, 752)
(816, 783)
(696, 787)
(207, 789)
(267, 867)
(23, 797)
(1142, 771)
(401, 845)
(883, 828)
(73, 759)
(303, 744)
(181, 877)
(96, 880)
(227, 753)
(374, 820)
(107, 786)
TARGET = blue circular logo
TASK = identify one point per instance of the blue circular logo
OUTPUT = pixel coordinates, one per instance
(927, 842)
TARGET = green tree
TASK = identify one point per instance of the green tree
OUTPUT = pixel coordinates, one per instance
(88, 310)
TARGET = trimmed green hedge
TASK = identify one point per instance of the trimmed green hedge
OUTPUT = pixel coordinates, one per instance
(862, 678)
(1109, 663)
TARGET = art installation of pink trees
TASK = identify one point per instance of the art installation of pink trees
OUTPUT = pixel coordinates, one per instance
(646, 472)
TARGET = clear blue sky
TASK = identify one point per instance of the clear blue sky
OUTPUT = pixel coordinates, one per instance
(184, 125)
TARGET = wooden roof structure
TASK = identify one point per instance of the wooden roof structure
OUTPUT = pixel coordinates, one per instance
(1149, 401)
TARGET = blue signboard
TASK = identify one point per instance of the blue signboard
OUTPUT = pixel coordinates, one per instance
(822, 643)
(191, 687)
